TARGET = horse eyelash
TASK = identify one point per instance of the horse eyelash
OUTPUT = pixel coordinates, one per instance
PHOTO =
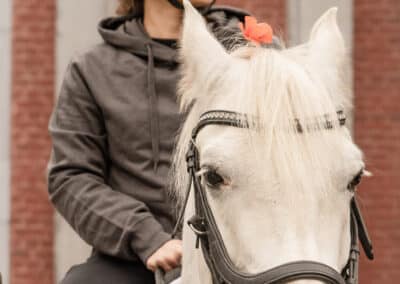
(205, 169)
(201, 171)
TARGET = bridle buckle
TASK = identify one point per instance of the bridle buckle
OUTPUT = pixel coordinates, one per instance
(191, 157)
(198, 226)
(353, 263)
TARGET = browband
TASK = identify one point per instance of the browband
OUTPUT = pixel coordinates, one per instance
(240, 120)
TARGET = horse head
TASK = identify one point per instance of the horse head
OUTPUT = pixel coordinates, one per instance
(280, 188)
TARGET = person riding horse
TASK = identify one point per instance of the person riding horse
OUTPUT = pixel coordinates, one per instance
(113, 130)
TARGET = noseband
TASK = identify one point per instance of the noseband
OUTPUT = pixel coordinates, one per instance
(208, 236)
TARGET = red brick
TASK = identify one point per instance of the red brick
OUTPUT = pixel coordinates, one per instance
(377, 130)
(33, 75)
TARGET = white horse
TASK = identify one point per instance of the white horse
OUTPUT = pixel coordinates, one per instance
(277, 195)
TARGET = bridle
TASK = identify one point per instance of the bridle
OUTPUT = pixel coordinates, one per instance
(208, 236)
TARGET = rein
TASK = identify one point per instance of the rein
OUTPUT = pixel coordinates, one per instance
(209, 238)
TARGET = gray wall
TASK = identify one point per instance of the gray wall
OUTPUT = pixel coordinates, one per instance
(76, 31)
(303, 13)
(5, 94)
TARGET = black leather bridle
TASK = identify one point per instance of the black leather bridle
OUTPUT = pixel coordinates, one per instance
(203, 224)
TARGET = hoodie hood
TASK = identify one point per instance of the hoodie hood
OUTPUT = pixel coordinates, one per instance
(128, 33)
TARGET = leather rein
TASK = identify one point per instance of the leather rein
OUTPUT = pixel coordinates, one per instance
(209, 238)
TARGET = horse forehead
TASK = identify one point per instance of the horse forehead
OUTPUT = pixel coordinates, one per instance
(231, 148)
(217, 138)
(243, 146)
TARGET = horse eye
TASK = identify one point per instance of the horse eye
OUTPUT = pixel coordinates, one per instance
(213, 179)
(356, 181)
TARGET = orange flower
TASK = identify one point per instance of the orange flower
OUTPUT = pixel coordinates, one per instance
(256, 32)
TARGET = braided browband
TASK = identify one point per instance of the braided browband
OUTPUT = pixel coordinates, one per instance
(231, 118)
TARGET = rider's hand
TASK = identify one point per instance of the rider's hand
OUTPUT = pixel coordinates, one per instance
(166, 257)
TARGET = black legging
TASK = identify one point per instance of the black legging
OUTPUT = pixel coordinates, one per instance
(103, 269)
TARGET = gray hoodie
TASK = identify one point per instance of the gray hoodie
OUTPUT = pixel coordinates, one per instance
(113, 131)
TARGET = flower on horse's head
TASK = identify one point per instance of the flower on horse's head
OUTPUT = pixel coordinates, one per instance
(256, 32)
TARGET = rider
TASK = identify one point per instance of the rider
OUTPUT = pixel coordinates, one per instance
(113, 131)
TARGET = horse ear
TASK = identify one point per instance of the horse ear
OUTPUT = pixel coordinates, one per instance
(200, 50)
(328, 54)
(326, 35)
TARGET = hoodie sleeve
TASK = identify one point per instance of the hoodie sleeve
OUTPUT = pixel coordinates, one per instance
(110, 221)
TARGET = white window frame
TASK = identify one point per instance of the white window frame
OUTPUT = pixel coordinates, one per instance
(5, 91)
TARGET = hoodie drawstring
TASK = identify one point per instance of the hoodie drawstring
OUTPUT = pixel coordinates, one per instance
(152, 96)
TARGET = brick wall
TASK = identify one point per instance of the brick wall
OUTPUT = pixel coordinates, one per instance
(377, 130)
(271, 11)
(31, 230)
